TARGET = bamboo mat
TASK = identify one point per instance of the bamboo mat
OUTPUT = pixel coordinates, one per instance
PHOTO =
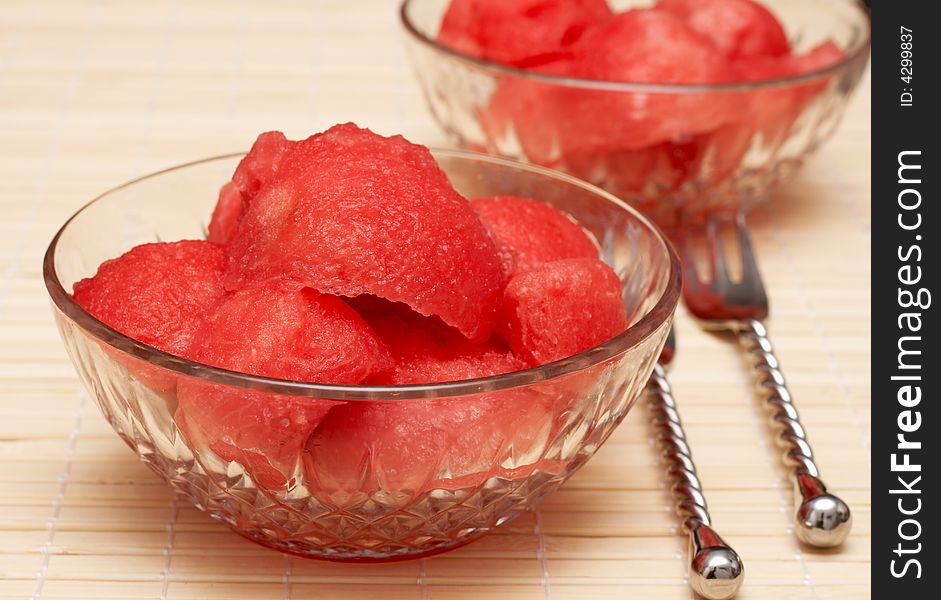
(95, 93)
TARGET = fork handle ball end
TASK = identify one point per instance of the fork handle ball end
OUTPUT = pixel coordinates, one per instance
(715, 570)
(822, 519)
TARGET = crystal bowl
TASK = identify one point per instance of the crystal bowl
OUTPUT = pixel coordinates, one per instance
(632, 138)
(521, 435)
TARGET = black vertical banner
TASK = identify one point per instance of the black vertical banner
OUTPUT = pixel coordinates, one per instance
(906, 165)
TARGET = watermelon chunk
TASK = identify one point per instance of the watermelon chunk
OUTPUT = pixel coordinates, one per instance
(773, 111)
(425, 350)
(522, 33)
(561, 308)
(528, 233)
(226, 215)
(350, 212)
(258, 167)
(630, 47)
(740, 29)
(261, 164)
(298, 335)
(819, 57)
(553, 123)
(159, 294)
(624, 171)
(525, 111)
(414, 445)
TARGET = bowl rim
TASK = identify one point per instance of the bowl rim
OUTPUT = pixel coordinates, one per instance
(858, 53)
(634, 335)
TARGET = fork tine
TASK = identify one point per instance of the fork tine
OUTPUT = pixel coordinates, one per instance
(821, 519)
(751, 274)
(750, 269)
(720, 273)
(691, 279)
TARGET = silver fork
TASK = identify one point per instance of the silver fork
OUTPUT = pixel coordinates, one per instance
(740, 305)
(715, 570)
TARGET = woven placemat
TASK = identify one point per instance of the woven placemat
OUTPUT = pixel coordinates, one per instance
(94, 93)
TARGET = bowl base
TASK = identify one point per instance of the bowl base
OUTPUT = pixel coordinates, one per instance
(365, 557)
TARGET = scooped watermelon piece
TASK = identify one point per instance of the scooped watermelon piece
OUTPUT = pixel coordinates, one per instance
(819, 57)
(773, 110)
(522, 33)
(260, 166)
(350, 212)
(723, 151)
(740, 29)
(526, 111)
(825, 54)
(632, 47)
(226, 215)
(257, 168)
(158, 294)
(425, 350)
(561, 308)
(415, 445)
(528, 233)
(624, 172)
(263, 432)
(298, 335)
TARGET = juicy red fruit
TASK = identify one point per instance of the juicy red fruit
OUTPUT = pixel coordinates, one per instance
(261, 164)
(257, 168)
(526, 110)
(774, 110)
(425, 350)
(562, 308)
(298, 335)
(426, 444)
(350, 212)
(523, 33)
(739, 29)
(226, 216)
(528, 232)
(630, 47)
(158, 294)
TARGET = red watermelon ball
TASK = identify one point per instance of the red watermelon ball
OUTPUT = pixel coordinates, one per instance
(624, 172)
(642, 46)
(523, 111)
(350, 212)
(159, 294)
(773, 110)
(264, 432)
(256, 168)
(528, 232)
(819, 57)
(561, 308)
(297, 335)
(261, 164)
(522, 33)
(226, 216)
(723, 151)
(740, 29)
(414, 445)
(425, 350)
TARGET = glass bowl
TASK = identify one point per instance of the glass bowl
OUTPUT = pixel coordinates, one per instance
(651, 145)
(416, 485)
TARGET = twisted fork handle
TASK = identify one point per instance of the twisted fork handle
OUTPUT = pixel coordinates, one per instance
(715, 570)
(822, 519)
